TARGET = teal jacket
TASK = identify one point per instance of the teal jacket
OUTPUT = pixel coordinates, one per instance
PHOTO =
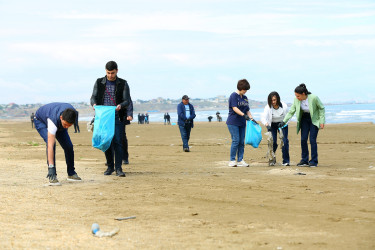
(317, 111)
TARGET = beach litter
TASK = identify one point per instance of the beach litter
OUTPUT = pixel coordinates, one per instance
(95, 229)
(270, 154)
(125, 218)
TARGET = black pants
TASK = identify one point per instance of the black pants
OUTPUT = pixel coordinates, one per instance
(124, 140)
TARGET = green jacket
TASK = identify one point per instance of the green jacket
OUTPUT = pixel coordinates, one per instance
(317, 111)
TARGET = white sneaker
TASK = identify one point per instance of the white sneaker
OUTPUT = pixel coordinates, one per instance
(232, 164)
(242, 164)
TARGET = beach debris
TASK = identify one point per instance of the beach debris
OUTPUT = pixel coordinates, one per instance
(95, 229)
(299, 173)
(270, 154)
(125, 218)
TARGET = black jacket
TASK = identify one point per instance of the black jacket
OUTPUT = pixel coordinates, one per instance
(122, 94)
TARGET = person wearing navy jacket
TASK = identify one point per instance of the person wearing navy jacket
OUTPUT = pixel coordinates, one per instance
(186, 115)
(52, 122)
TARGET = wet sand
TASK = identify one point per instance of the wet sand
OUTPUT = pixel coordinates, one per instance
(190, 200)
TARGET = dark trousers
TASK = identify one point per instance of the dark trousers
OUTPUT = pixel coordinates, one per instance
(185, 134)
(285, 148)
(307, 127)
(124, 140)
(116, 146)
(63, 138)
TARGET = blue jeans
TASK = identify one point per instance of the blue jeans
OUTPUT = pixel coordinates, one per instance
(185, 134)
(238, 142)
(116, 146)
(307, 127)
(63, 138)
(285, 148)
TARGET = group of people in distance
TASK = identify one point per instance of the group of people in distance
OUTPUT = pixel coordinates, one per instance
(143, 118)
(310, 113)
(53, 120)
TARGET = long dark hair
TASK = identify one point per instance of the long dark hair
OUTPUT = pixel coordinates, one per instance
(301, 89)
(278, 101)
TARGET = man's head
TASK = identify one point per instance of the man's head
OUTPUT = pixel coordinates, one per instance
(68, 117)
(111, 70)
(185, 99)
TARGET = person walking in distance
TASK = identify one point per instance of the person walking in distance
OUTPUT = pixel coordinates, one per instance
(186, 115)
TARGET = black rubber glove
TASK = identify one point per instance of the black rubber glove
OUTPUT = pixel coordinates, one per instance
(268, 128)
(252, 119)
(281, 124)
(51, 172)
(246, 117)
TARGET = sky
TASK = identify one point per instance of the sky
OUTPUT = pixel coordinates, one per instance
(53, 51)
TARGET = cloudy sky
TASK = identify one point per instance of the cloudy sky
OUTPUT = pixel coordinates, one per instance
(55, 50)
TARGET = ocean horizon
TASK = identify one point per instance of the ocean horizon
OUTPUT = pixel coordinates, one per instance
(341, 113)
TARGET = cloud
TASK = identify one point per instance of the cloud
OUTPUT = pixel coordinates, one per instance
(71, 52)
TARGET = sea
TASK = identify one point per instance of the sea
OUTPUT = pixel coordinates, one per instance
(338, 113)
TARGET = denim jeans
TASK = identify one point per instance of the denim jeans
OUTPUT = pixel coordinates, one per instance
(285, 148)
(185, 134)
(116, 146)
(238, 142)
(63, 138)
(307, 127)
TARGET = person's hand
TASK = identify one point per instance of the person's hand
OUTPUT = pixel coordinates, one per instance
(281, 124)
(129, 118)
(252, 119)
(51, 172)
(268, 128)
(321, 126)
(246, 117)
(118, 107)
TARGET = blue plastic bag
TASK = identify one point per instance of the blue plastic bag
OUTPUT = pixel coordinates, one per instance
(104, 127)
(253, 135)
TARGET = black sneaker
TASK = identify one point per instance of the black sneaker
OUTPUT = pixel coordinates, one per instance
(302, 164)
(186, 149)
(125, 162)
(74, 177)
(119, 173)
(109, 171)
(313, 165)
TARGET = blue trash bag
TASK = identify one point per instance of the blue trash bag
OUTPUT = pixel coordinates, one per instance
(253, 135)
(104, 127)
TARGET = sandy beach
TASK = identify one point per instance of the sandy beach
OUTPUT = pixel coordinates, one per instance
(190, 200)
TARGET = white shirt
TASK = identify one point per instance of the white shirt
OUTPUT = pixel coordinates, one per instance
(51, 127)
(277, 114)
(305, 105)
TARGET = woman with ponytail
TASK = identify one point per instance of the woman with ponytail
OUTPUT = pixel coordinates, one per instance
(310, 115)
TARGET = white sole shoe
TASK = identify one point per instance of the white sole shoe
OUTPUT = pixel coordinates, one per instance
(232, 164)
(242, 164)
